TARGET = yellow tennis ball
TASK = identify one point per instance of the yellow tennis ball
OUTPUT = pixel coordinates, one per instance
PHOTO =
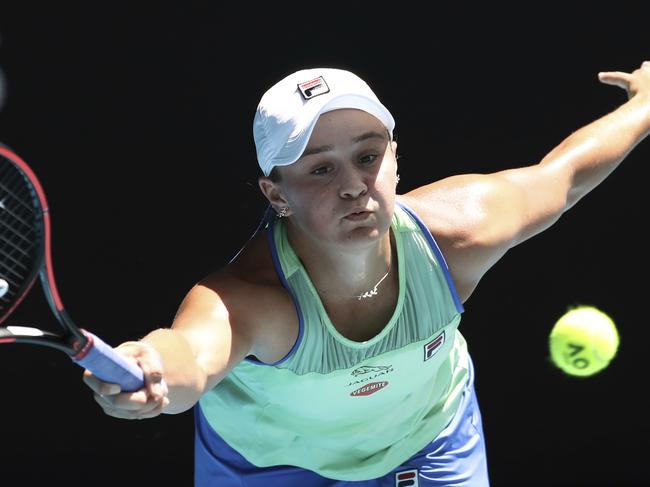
(583, 341)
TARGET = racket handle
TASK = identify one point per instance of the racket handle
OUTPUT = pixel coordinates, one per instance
(108, 365)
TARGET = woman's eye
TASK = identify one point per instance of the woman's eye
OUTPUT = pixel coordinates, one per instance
(369, 159)
(319, 171)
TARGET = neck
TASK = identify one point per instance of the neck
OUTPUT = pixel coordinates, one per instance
(343, 272)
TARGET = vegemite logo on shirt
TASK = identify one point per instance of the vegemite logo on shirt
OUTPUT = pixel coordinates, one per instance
(369, 388)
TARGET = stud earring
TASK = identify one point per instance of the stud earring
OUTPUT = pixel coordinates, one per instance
(283, 212)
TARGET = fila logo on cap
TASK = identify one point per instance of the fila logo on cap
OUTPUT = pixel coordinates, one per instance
(407, 478)
(314, 87)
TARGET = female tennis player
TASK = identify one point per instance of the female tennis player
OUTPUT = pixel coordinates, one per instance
(328, 351)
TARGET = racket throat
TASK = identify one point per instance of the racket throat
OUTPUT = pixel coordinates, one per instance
(81, 347)
(77, 341)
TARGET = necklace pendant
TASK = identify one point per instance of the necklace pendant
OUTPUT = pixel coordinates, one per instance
(368, 294)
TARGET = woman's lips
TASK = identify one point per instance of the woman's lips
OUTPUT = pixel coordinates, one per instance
(358, 215)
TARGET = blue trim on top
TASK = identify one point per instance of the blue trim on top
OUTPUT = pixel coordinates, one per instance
(438, 253)
(285, 284)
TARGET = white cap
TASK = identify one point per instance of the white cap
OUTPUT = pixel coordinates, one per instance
(289, 110)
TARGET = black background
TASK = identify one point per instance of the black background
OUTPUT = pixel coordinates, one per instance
(137, 119)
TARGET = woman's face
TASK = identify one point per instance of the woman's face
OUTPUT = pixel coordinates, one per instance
(342, 189)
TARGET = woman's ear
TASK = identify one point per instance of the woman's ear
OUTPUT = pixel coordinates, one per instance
(272, 192)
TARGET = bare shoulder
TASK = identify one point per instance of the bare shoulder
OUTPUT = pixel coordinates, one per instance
(468, 217)
(246, 297)
(450, 208)
(464, 209)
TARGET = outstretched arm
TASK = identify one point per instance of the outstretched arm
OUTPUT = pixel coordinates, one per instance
(589, 155)
(181, 362)
(477, 218)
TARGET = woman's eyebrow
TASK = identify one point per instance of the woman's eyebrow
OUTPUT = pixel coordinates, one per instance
(359, 138)
(317, 150)
(369, 135)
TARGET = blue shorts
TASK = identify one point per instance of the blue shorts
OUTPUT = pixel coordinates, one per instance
(456, 458)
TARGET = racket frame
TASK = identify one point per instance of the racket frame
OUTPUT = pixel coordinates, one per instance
(72, 341)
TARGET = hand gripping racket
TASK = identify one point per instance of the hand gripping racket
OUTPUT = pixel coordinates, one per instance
(25, 254)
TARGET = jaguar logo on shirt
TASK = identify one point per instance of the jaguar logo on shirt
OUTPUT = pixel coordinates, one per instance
(367, 373)
(366, 369)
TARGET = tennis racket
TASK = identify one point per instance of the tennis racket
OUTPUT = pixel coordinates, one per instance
(25, 255)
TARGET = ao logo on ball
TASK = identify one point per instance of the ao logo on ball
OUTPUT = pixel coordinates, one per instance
(583, 341)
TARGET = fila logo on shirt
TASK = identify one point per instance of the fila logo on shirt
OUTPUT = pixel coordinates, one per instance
(433, 346)
(407, 478)
(313, 87)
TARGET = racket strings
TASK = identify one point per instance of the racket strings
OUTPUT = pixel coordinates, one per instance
(20, 234)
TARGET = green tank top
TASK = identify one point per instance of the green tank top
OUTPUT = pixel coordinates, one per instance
(351, 410)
